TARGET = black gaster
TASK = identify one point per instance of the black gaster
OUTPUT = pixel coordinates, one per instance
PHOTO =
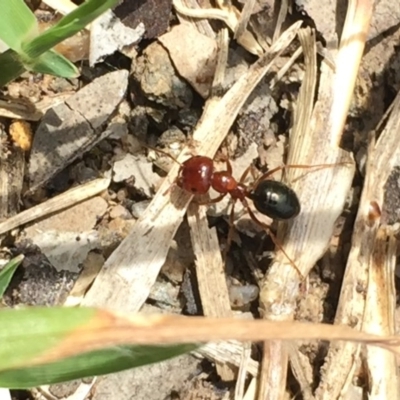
(275, 200)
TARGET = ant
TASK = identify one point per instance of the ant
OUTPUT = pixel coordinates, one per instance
(271, 198)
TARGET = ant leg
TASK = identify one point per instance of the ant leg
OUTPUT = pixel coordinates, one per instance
(175, 181)
(250, 168)
(245, 173)
(266, 175)
(229, 168)
(212, 201)
(192, 144)
(273, 238)
(301, 166)
(230, 232)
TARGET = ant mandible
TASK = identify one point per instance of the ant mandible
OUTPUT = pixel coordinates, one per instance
(271, 198)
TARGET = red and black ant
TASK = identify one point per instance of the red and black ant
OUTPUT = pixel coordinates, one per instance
(271, 198)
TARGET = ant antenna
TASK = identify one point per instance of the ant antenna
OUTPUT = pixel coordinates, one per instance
(162, 152)
(315, 168)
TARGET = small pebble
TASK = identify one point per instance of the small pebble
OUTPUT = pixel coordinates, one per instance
(120, 226)
(120, 212)
(122, 195)
(241, 296)
(137, 209)
(87, 174)
(158, 80)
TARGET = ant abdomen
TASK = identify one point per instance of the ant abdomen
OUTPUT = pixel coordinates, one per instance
(275, 200)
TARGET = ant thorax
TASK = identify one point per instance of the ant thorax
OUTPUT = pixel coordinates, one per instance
(223, 182)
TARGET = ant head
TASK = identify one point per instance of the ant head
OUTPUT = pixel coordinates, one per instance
(195, 175)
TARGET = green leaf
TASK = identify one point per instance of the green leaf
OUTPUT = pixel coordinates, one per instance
(31, 337)
(11, 66)
(53, 63)
(67, 27)
(7, 273)
(91, 364)
(28, 333)
(18, 23)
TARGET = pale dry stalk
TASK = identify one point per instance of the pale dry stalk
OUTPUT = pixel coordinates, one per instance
(368, 296)
(58, 203)
(210, 267)
(227, 13)
(314, 139)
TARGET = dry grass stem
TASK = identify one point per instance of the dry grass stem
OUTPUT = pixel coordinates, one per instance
(273, 374)
(229, 352)
(19, 110)
(286, 67)
(58, 203)
(322, 195)
(202, 25)
(12, 170)
(302, 370)
(251, 390)
(352, 43)
(245, 361)
(244, 18)
(210, 268)
(5, 394)
(368, 296)
(210, 271)
(230, 16)
(379, 317)
(111, 329)
(202, 13)
(283, 10)
(272, 380)
(222, 60)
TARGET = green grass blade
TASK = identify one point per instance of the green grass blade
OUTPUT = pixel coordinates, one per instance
(67, 27)
(31, 337)
(11, 67)
(28, 333)
(91, 364)
(17, 23)
(53, 63)
(7, 273)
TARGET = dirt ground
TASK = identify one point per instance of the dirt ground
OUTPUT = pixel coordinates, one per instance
(110, 123)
